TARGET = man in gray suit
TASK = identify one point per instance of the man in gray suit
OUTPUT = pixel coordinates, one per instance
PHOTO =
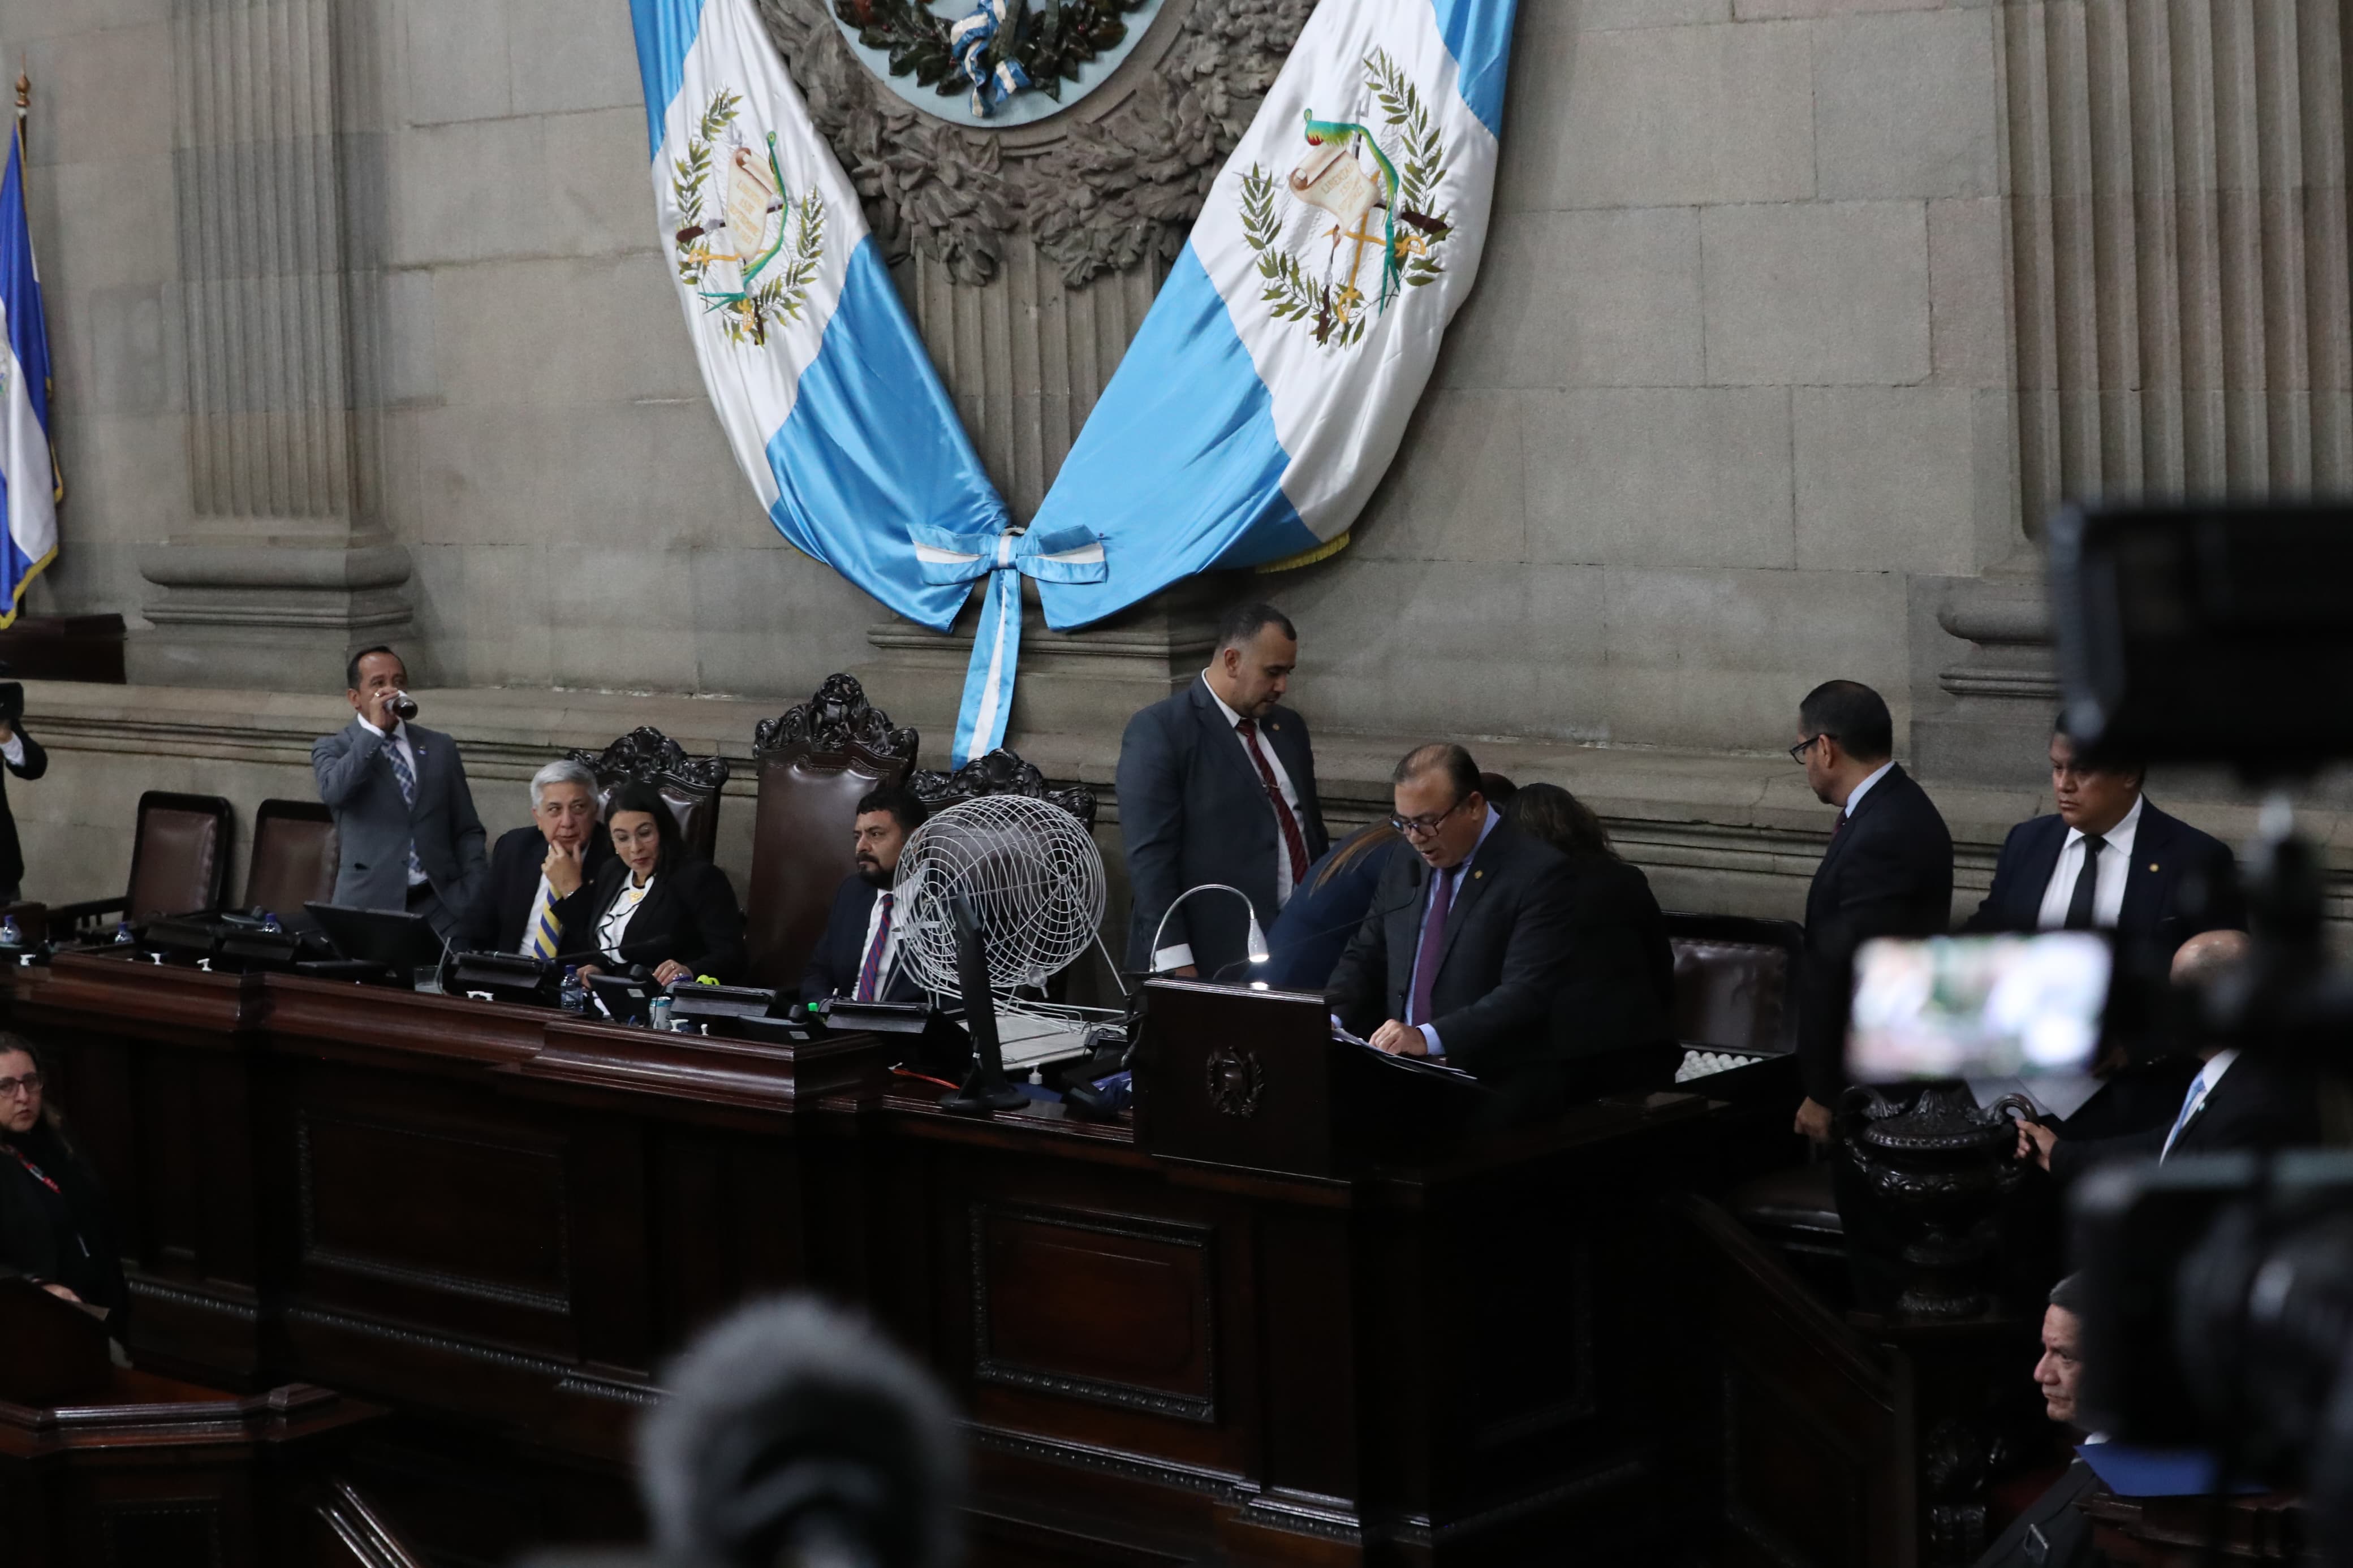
(404, 822)
(1217, 784)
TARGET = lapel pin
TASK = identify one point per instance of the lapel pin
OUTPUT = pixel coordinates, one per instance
(1476, 875)
(2152, 865)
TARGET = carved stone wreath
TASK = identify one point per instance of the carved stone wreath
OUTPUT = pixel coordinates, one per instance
(1099, 192)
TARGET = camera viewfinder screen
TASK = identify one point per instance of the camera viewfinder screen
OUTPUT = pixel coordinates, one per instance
(1972, 1006)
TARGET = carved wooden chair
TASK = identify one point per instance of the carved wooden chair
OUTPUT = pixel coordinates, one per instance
(690, 785)
(816, 760)
(1001, 772)
(179, 865)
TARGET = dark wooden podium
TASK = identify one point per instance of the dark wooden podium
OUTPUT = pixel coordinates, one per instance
(103, 1465)
(1233, 1076)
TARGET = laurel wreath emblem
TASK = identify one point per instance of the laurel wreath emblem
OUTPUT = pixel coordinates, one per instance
(747, 313)
(1338, 312)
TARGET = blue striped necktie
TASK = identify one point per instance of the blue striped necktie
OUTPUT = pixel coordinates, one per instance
(407, 779)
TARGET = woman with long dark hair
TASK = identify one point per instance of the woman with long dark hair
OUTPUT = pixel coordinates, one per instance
(657, 903)
(53, 1221)
(1613, 1023)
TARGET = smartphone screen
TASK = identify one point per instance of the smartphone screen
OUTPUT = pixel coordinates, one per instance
(1978, 1006)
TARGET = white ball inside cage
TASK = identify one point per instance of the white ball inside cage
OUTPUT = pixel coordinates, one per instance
(1031, 874)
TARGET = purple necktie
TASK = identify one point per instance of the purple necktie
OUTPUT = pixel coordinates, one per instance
(1432, 948)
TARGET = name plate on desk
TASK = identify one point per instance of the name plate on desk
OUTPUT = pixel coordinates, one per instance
(1235, 1076)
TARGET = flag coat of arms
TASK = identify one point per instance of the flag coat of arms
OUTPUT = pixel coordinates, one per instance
(30, 488)
(1270, 386)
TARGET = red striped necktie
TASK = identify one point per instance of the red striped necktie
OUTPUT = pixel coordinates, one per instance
(1293, 842)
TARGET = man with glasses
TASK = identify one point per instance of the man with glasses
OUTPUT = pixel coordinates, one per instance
(1216, 784)
(1888, 872)
(1466, 945)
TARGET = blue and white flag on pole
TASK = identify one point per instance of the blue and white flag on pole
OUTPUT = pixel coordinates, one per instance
(30, 488)
(835, 411)
(1270, 386)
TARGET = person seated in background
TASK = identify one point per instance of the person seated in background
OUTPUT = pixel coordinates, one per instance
(657, 904)
(53, 1221)
(2108, 860)
(1613, 1022)
(2261, 1103)
(538, 873)
(1462, 953)
(858, 957)
(2053, 1532)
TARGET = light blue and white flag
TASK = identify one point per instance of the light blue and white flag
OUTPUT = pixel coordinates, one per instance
(30, 486)
(835, 413)
(1270, 386)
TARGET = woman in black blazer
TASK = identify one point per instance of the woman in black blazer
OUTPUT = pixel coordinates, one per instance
(53, 1221)
(659, 904)
(1613, 1023)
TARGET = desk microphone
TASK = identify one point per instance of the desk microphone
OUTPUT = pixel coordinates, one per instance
(794, 1433)
(1327, 931)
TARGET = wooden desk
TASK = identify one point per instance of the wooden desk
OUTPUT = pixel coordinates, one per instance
(2171, 1532)
(500, 1219)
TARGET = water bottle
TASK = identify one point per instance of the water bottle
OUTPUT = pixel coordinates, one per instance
(122, 937)
(269, 923)
(573, 994)
(662, 1013)
(11, 935)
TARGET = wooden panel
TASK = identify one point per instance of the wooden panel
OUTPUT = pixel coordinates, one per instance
(436, 1209)
(1111, 1309)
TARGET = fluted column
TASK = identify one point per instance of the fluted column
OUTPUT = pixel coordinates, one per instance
(280, 565)
(2179, 248)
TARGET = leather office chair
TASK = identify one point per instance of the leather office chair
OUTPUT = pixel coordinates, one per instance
(294, 857)
(816, 760)
(689, 785)
(179, 865)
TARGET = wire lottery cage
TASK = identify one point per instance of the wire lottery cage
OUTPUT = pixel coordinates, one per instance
(1032, 876)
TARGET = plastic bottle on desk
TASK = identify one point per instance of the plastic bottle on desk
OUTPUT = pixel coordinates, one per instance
(660, 1011)
(11, 934)
(122, 933)
(573, 994)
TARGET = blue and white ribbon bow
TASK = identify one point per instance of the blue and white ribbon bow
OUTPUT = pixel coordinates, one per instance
(968, 41)
(943, 557)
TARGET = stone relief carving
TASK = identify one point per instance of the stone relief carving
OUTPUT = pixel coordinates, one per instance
(1100, 192)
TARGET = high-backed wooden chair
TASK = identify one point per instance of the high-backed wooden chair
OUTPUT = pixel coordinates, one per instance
(690, 785)
(179, 865)
(293, 860)
(816, 760)
(1001, 772)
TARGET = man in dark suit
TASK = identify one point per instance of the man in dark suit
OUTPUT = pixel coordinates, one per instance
(858, 957)
(24, 757)
(405, 823)
(1888, 872)
(2109, 860)
(1466, 946)
(2257, 1103)
(2053, 1532)
(1217, 784)
(531, 904)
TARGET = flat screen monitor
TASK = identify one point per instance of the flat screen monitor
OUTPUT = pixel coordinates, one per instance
(393, 938)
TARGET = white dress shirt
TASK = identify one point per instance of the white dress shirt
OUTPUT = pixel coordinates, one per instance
(2195, 1101)
(399, 737)
(1854, 796)
(2108, 875)
(1176, 955)
(613, 926)
(13, 748)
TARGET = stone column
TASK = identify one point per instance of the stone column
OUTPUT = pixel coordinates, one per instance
(280, 564)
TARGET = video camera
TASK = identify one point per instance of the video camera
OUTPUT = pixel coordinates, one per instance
(2220, 1289)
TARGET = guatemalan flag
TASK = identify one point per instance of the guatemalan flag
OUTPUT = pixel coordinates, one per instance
(1270, 384)
(834, 411)
(30, 488)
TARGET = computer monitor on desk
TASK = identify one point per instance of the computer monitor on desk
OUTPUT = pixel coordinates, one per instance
(1234, 1076)
(391, 939)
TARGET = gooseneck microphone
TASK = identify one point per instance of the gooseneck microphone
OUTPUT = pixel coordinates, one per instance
(795, 1436)
(1327, 930)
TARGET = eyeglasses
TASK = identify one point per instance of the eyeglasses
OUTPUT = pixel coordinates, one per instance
(27, 1086)
(1423, 826)
(1798, 752)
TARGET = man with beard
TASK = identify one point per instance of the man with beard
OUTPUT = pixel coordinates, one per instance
(858, 957)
